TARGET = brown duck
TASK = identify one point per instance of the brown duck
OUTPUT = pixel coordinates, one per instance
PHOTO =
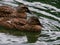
(32, 24)
(16, 18)
(8, 11)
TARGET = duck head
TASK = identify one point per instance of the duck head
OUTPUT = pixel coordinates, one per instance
(34, 21)
(23, 8)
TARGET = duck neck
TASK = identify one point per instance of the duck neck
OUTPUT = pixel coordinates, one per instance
(22, 15)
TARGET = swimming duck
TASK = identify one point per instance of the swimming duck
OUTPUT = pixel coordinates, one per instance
(19, 11)
(16, 19)
(8, 12)
(32, 24)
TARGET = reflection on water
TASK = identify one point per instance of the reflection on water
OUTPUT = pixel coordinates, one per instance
(19, 36)
(48, 12)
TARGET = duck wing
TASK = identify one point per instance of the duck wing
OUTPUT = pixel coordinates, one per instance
(6, 11)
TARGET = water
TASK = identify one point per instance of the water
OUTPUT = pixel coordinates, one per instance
(48, 12)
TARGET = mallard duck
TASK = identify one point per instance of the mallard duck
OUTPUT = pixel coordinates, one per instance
(19, 11)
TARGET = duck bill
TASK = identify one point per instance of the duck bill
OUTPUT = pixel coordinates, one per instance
(29, 11)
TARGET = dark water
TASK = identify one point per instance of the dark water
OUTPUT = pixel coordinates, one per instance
(48, 12)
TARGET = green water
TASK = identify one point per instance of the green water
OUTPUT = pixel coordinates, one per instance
(48, 12)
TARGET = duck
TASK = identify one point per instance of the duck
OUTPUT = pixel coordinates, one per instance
(16, 18)
(32, 24)
(33, 20)
(21, 11)
(8, 11)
